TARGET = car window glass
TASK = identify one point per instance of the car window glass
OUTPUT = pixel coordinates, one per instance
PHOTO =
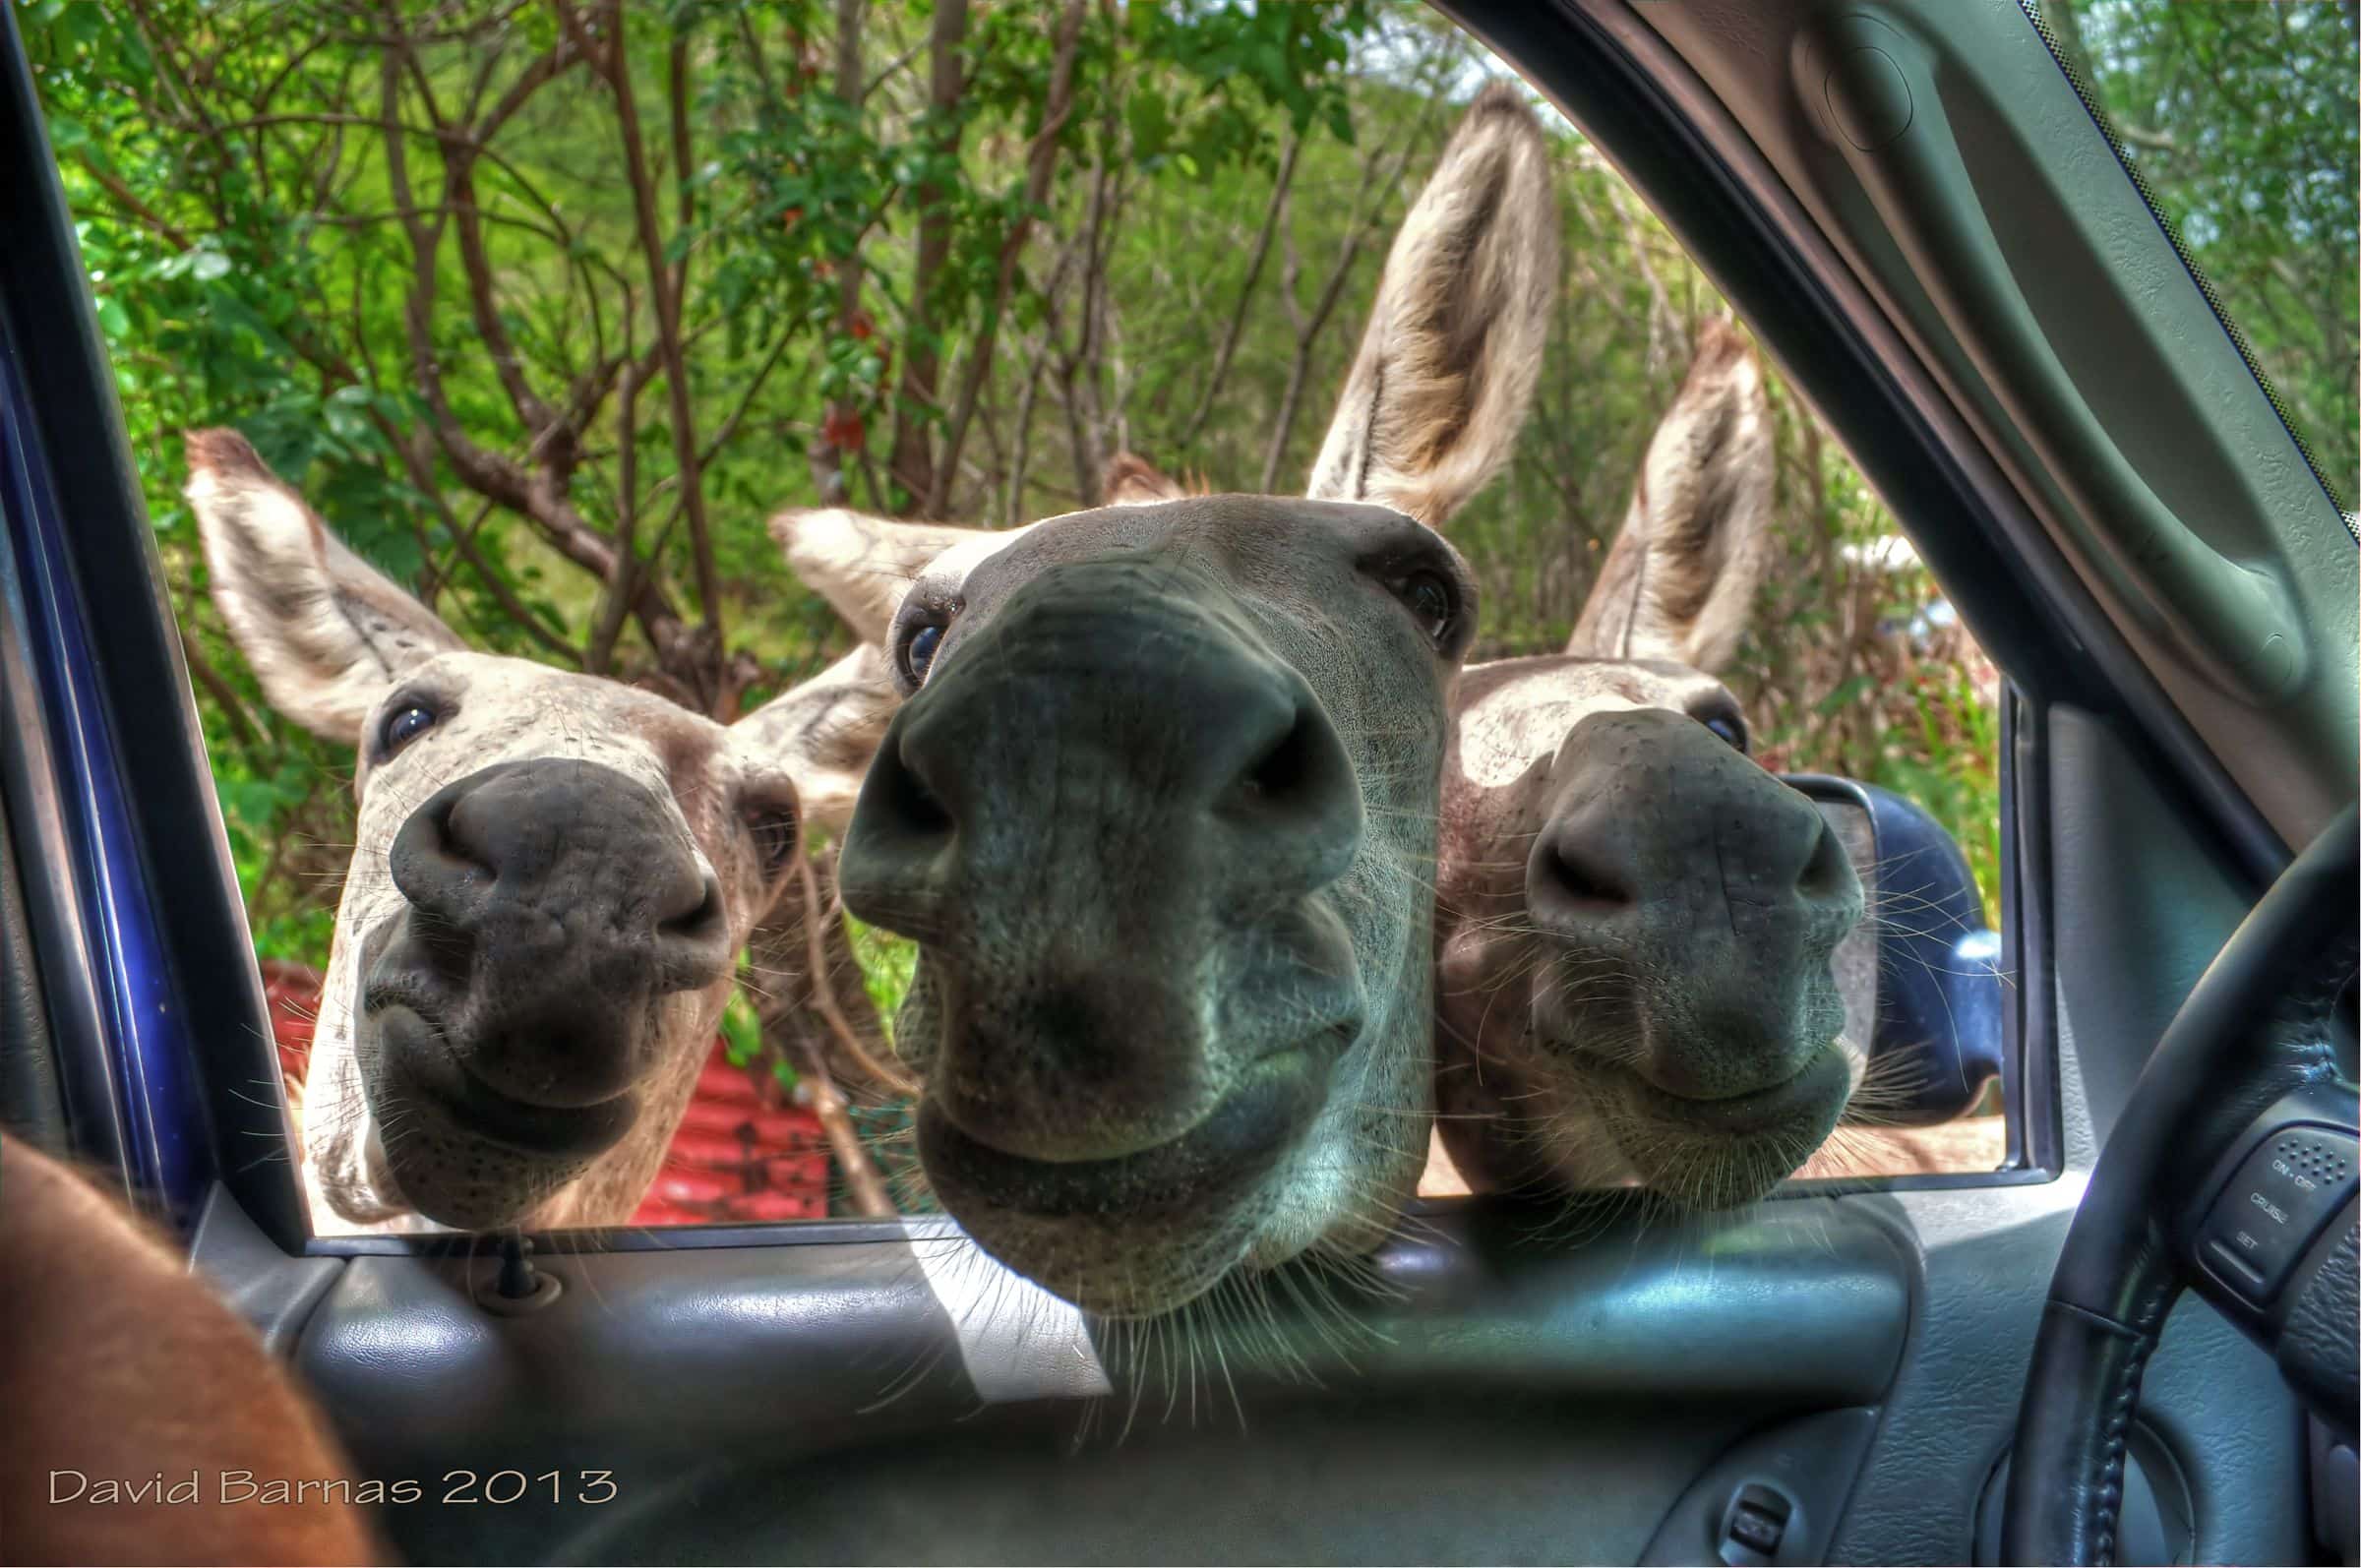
(465, 367)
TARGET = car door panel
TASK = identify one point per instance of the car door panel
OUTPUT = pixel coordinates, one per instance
(1630, 1361)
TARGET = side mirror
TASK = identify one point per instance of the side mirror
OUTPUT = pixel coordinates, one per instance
(1920, 978)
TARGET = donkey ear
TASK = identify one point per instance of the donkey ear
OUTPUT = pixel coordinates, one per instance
(326, 635)
(1447, 365)
(1130, 480)
(823, 734)
(1680, 580)
(863, 566)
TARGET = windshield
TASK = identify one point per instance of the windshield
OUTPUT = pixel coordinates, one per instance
(2242, 124)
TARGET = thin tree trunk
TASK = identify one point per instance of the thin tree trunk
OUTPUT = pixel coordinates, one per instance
(1374, 185)
(662, 280)
(627, 521)
(1041, 162)
(828, 457)
(1085, 415)
(912, 464)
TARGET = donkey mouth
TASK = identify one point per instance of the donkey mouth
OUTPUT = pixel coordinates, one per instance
(1820, 1084)
(1218, 1162)
(422, 1068)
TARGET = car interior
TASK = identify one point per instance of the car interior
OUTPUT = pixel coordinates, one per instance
(2085, 1356)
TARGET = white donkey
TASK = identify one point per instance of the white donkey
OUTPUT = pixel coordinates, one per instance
(552, 877)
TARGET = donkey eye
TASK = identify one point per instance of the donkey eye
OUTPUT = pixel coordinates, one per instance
(1431, 600)
(1728, 726)
(918, 651)
(775, 838)
(404, 725)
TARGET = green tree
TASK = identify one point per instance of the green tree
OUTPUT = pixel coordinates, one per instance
(2245, 121)
(544, 306)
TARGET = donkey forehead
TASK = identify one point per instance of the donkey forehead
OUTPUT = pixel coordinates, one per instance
(1518, 713)
(944, 581)
(1284, 551)
(491, 708)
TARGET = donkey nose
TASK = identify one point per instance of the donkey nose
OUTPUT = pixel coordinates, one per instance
(1158, 737)
(1671, 863)
(559, 899)
(1658, 817)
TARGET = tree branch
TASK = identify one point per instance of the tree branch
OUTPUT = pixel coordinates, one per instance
(1308, 328)
(667, 301)
(162, 227)
(515, 609)
(242, 722)
(1245, 294)
(611, 613)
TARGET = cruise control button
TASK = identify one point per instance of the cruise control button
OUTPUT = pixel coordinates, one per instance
(2292, 1184)
(2236, 1269)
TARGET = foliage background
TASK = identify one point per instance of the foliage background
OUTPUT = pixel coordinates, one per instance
(546, 306)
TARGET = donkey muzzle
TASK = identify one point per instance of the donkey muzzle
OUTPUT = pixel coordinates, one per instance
(553, 905)
(1103, 817)
(1691, 891)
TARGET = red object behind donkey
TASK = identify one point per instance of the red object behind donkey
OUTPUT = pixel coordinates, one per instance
(742, 1155)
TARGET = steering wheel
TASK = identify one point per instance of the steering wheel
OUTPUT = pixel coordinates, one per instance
(2231, 1171)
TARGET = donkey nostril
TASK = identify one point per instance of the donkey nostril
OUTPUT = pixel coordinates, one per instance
(1825, 875)
(1280, 787)
(461, 839)
(442, 876)
(693, 943)
(913, 803)
(1283, 770)
(1586, 881)
(703, 918)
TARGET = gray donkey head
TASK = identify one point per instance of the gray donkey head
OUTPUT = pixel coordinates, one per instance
(1637, 921)
(552, 877)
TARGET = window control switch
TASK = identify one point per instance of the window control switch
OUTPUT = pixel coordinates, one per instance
(1754, 1525)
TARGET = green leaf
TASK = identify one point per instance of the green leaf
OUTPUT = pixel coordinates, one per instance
(741, 1030)
(1842, 696)
(1151, 123)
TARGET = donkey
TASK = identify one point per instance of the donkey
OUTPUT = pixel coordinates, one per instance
(1612, 1011)
(1635, 920)
(1446, 363)
(1159, 810)
(551, 881)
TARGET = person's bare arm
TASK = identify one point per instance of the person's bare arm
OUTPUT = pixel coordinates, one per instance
(116, 1363)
